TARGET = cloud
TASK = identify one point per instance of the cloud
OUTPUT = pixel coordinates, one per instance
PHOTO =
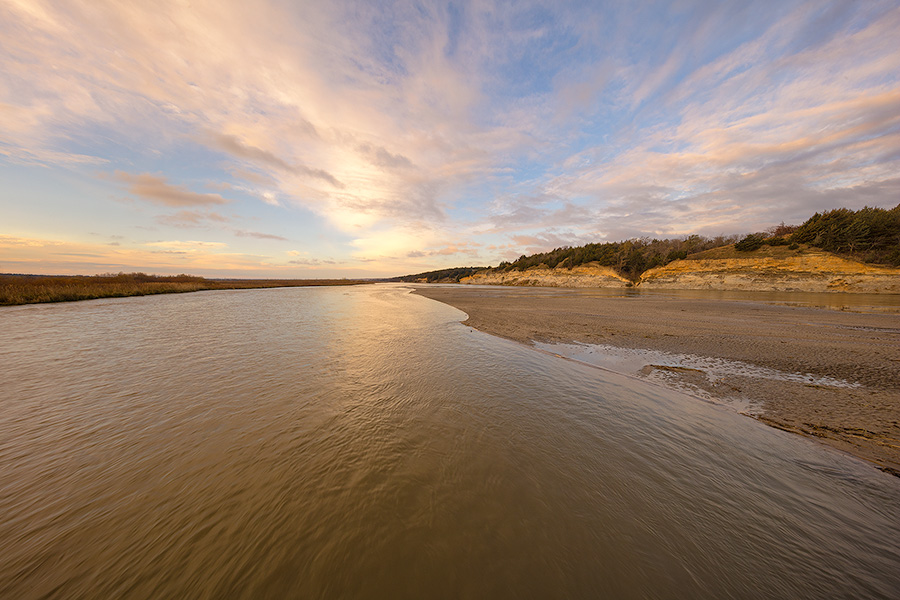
(748, 140)
(37, 156)
(191, 218)
(515, 213)
(236, 147)
(545, 241)
(155, 189)
(380, 157)
(52, 256)
(252, 176)
(233, 145)
(462, 248)
(186, 246)
(9, 241)
(318, 104)
(258, 235)
(311, 262)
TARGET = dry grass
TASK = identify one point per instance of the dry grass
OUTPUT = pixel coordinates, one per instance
(29, 289)
(762, 252)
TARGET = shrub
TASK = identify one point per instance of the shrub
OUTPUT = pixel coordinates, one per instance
(752, 242)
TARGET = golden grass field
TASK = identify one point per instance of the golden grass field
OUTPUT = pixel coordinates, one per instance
(29, 289)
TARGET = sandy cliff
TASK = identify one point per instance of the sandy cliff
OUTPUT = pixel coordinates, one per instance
(767, 269)
(773, 269)
(588, 275)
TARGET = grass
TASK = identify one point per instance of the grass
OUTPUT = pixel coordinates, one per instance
(761, 252)
(30, 289)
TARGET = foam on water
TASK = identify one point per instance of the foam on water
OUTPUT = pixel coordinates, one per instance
(631, 361)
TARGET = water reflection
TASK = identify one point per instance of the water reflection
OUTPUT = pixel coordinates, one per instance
(329, 442)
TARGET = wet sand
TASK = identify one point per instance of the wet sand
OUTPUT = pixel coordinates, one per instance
(861, 349)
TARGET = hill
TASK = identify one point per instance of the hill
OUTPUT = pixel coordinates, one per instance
(852, 250)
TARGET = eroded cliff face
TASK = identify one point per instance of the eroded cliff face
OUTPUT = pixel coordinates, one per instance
(769, 269)
(811, 271)
(589, 275)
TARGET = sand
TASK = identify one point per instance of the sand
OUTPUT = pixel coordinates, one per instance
(848, 395)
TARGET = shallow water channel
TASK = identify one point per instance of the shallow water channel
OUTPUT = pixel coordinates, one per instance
(361, 443)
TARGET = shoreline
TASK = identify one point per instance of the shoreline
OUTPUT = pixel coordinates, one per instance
(826, 374)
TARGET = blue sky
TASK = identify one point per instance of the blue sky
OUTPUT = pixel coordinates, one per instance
(301, 139)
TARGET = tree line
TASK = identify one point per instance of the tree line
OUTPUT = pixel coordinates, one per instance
(441, 275)
(868, 234)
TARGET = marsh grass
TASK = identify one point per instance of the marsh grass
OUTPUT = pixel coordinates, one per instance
(29, 289)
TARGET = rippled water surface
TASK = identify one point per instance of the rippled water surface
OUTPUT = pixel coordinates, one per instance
(361, 443)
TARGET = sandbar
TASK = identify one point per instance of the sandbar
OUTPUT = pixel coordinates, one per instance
(860, 350)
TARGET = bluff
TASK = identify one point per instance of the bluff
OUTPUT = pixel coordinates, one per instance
(770, 268)
(589, 275)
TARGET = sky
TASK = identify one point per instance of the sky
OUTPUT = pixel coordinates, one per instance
(298, 139)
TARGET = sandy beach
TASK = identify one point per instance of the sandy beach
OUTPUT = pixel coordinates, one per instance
(829, 374)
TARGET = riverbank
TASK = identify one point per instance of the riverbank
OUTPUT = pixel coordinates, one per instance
(850, 400)
(32, 289)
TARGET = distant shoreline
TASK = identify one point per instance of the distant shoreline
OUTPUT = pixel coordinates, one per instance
(17, 290)
(861, 349)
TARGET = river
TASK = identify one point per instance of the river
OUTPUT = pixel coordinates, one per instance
(336, 442)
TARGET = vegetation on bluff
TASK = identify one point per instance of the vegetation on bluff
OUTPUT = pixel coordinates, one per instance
(629, 258)
(868, 235)
(441, 275)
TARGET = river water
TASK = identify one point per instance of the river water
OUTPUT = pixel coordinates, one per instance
(361, 443)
